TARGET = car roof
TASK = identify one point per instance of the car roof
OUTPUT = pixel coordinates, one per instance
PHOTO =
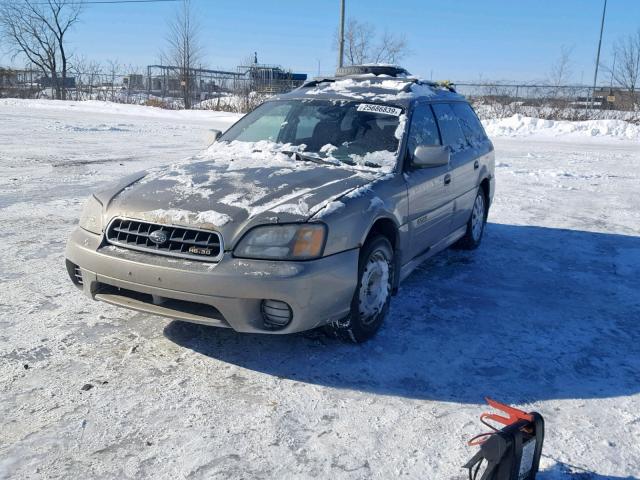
(373, 88)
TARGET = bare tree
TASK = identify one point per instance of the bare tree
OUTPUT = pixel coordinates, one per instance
(37, 30)
(562, 69)
(78, 69)
(113, 67)
(391, 48)
(559, 76)
(184, 49)
(87, 73)
(24, 35)
(362, 45)
(626, 71)
(58, 16)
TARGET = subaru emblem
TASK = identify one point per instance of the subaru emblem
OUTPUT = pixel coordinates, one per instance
(158, 237)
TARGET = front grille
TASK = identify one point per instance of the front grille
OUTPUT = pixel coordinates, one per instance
(192, 243)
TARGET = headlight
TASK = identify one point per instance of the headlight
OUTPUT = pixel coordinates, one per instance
(91, 216)
(283, 242)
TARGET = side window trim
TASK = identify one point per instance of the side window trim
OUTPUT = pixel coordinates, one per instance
(435, 119)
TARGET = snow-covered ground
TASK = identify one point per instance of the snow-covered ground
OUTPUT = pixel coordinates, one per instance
(544, 315)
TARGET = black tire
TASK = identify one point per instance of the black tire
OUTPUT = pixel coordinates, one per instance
(358, 327)
(472, 238)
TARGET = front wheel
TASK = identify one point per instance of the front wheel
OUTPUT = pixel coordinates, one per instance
(476, 223)
(371, 299)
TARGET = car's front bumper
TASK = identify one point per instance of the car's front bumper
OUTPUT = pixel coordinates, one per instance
(318, 291)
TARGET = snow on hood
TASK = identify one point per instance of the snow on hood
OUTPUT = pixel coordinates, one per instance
(232, 186)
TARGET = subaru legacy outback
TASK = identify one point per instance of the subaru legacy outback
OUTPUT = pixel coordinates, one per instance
(308, 212)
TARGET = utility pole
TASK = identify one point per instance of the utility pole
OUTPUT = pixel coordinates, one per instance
(595, 75)
(341, 39)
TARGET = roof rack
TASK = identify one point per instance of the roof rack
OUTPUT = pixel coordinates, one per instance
(375, 69)
(445, 84)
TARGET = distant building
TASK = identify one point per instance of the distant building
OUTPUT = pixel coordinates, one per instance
(8, 77)
(47, 82)
(134, 81)
(272, 78)
(615, 98)
(167, 80)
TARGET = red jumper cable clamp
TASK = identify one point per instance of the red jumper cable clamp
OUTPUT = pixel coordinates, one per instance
(512, 452)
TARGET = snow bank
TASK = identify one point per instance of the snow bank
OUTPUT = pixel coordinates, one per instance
(518, 125)
(120, 109)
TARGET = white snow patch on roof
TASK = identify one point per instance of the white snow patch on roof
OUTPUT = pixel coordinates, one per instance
(356, 88)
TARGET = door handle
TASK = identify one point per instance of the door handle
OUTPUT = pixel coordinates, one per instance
(447, 179)
(476, 165)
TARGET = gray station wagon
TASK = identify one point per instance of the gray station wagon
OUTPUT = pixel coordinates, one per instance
(308, 212)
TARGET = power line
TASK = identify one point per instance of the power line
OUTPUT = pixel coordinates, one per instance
(98, 2)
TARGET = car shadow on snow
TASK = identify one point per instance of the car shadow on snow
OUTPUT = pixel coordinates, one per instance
(564, 471)
(533, 314)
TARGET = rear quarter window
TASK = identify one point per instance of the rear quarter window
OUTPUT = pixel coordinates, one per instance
(470, 124)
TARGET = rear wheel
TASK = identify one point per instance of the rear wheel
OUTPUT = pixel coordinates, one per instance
(371, 299)
(476, 223)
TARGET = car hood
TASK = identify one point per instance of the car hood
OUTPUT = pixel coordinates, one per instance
(231, 196)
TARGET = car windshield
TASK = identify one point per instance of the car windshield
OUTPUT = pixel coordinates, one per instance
(355, 133)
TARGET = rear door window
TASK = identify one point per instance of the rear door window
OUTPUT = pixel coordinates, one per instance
(470, 124)
(452, 134)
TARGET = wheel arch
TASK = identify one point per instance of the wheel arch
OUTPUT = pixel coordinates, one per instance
(388, 228)
(485, 185)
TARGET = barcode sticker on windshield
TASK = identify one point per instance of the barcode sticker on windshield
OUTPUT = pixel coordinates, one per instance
(384, 109)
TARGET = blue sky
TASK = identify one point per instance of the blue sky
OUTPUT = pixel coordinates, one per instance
(459, 40)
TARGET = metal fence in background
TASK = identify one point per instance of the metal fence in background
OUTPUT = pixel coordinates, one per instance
(243, 88)
(160, 85)
(576, 100)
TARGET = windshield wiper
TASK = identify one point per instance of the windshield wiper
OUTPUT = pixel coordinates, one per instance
(306, 157)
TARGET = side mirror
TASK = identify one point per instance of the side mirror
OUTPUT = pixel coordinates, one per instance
(427, 156)
(216, 134)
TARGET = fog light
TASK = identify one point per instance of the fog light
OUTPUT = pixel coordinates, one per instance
(276, 314)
